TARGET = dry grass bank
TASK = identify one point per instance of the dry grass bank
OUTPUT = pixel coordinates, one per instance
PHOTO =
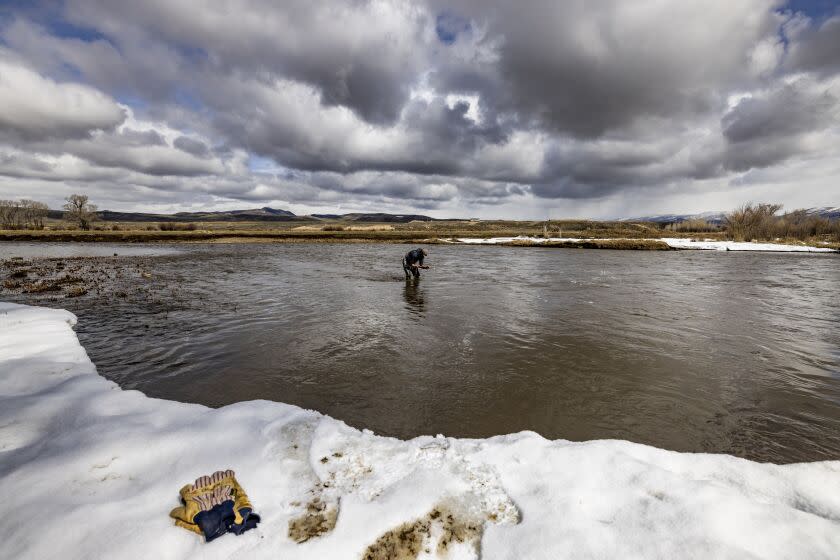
(327, 229)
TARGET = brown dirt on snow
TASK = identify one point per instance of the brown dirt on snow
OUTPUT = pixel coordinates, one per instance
(406, 541)
(318, 519)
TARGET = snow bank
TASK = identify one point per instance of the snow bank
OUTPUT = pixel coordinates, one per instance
(88, 470)
(676, 243)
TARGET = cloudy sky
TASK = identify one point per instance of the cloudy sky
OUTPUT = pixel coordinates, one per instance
(467, 108)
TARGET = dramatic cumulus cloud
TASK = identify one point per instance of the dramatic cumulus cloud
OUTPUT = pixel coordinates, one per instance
(772, 126)
(816, 47)
(587, 68)
(36, 107)
(464, 107)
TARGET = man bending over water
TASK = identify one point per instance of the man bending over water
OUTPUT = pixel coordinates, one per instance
(413, 262)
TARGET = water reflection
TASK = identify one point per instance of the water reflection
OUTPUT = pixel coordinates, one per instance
(415, 298)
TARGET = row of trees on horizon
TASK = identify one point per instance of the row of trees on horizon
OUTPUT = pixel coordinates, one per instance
(31, 214)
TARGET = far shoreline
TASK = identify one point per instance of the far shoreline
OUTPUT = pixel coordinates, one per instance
(393, 236)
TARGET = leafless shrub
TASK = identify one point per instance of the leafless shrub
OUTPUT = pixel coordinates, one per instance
(752, 221)
(800, 225)
(760, 222)
(175, 226)
(692, 225)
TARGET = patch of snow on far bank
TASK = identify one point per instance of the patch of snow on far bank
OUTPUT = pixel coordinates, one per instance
(88, 470)
(676, 243)
(500, 240)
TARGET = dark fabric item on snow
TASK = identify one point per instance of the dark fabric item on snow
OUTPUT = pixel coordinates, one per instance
(215, 522)
(250, 521)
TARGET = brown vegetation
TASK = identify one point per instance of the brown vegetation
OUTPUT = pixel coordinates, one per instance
(403, 233)
(175, 226)
(612, 234)
(76, 291)
(694, 225)
(48, 279)
(760, 222)
(53, 285)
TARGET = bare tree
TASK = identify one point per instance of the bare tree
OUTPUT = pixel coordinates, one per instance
(8, 214)
(80, 211)
(33, 213)
(22, 214)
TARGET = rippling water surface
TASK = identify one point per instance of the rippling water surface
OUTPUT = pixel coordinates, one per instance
(692, 351)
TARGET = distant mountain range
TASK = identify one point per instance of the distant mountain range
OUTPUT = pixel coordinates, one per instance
(252, 215)
(264, 214)
(712, 217)
(375, 217)
(267, 214)
(830, 212)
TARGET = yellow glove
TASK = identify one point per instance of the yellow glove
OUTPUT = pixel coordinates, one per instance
(214, 505)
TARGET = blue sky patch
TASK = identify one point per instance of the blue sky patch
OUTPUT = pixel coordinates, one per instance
(448, 26)
(186, 98)
(260, 164)
(67, 30)
(815, 9)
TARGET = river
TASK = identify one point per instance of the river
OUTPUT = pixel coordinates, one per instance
(693, 351)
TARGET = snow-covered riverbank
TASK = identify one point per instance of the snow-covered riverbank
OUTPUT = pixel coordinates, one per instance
(708, 245)
(88, 470)
(674, 242)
